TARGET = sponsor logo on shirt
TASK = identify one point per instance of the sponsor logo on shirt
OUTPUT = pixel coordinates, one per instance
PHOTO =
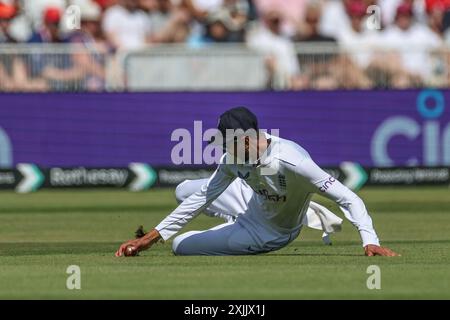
(327, 184)
(271, 197)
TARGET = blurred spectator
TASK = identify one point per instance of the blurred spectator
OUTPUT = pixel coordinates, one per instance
(169, 23)
(208, 5)
(161, 15)
(13, 69)
(239, 12)
(344, 70)
(90, 33)
(19, 27)
(225, 25)
(418, 39)
(358, 38)
(105, 4)
(199, 9)
(50, 30)
(34, 10)
(148, 6)
(7, 13)
(218, 28)
(338, 15)
(446, 26)
(89, 62)
(389, 9)
(280, 52)
(335, 19)
(436, 14)
(309, 29)
(433, 4)
(68, 69)
(126, 26)
(318, 68)
(292, 12)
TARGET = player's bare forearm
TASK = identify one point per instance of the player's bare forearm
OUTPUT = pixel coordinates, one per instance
(149, 239)
(133, 247)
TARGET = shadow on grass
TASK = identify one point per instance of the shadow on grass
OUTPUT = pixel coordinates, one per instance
(88, 248)
(106, 248)
(300, 254)
(46, 248)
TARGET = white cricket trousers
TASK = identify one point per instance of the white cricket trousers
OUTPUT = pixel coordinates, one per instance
(226, 239)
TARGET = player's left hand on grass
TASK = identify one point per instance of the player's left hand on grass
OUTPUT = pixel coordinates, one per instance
(374, 250)
(133, 247)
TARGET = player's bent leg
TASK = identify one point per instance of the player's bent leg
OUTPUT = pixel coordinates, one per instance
(225, 239)
(176, 242)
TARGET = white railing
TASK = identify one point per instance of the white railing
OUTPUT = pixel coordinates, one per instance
(215, 67)
(172, 67)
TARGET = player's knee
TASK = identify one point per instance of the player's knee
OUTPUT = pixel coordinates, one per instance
(175, 244)
(177, 247)
(181, 192)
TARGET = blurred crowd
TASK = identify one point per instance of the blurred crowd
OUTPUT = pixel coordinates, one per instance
(384, 43)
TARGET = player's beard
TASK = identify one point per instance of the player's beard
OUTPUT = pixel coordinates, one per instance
(249, 152)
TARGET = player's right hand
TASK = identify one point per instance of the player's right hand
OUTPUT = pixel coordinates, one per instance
(123, 247)
(140, 244)
(374, 250)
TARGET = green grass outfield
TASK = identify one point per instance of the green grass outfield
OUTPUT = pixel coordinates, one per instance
(42, 234)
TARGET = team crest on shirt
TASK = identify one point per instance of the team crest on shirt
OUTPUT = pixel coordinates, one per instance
(282, 181)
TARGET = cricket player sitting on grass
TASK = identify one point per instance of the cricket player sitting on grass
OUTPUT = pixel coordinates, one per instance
(282, 176)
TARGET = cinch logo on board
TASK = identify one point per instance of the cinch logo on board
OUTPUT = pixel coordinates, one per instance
(434, 138)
